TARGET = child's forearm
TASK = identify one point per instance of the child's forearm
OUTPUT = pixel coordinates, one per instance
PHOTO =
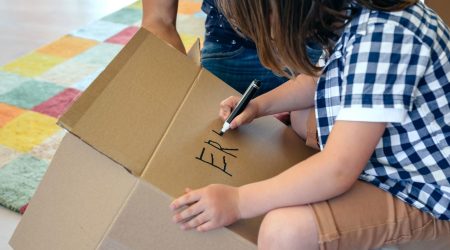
(322, 176)
(312, 180)
(293, 95)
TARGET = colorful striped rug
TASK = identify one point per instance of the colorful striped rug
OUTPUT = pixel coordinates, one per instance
(35, 89)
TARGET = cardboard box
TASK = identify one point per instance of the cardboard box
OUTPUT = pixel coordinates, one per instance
(141, 133)
(442, 8)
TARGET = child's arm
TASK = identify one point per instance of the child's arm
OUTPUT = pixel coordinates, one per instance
(322, 176)
(293, 95)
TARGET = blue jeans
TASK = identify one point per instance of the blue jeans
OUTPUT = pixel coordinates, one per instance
(233, 58)
(238, 66)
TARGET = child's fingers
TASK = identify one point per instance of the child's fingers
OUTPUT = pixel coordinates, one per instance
(185, 200)
(196, 221)
(226, 106)
(237, 121)
(209, 225)
(187, 213)
(245, 117)
(224, 112)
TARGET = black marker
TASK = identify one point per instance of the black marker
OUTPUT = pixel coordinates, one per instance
(242, 104)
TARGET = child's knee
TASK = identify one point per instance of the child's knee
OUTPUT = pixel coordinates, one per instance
(289, 228)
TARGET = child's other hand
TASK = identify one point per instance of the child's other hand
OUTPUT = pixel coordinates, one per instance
(247, 116)
(207, 208)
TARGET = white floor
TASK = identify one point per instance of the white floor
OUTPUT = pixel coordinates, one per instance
(8, 222)
(24, 27)
(27, 25)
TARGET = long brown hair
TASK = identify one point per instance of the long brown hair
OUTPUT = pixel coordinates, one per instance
(281, 29)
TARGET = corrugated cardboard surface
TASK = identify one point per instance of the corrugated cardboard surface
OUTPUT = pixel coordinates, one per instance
(442, 7)
(256, 152)
(194, 53)
(253, 152)
(76, 202)
(151, 229)
(87, 201)
(154, 112)
(127, 109)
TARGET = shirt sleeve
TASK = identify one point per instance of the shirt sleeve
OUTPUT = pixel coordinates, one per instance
(382, 70)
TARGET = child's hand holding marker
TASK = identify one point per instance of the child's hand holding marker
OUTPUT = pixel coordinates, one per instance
(239, 108)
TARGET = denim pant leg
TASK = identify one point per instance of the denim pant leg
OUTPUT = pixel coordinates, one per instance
(238, 66)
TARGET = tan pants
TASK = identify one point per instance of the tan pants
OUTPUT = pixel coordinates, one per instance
(366, 217)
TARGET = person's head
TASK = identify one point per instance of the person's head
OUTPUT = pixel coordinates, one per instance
(282, 28)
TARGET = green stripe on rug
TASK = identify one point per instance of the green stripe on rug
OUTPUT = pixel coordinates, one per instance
(19, 180)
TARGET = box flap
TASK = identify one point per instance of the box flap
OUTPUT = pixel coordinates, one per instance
(194, 52)
(154, 229)
(77, 200)
(126, 110)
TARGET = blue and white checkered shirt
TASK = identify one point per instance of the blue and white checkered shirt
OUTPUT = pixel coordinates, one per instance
(394, 67)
